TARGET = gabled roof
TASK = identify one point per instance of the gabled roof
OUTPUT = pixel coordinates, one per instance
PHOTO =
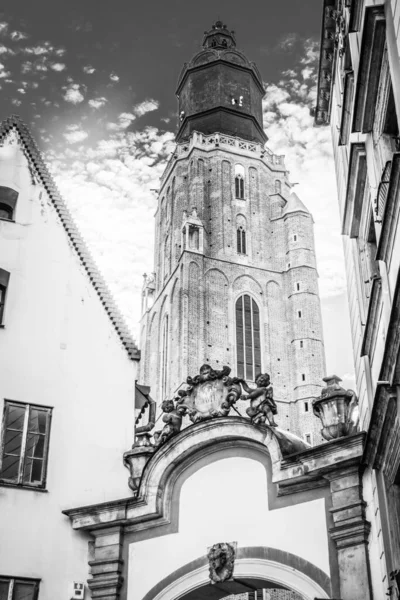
(294, 204)
(35, 157)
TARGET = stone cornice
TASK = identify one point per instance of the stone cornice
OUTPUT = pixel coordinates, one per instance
(326, 72)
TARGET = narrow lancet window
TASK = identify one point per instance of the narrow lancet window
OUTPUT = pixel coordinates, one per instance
(248, 343)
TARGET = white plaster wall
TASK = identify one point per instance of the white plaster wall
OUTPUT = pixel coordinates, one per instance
(58, 348)
(227, 501)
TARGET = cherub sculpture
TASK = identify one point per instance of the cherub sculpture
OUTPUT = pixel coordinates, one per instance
(174, 411)
(262, 404)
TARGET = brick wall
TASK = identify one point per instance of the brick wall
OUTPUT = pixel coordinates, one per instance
(198, 289)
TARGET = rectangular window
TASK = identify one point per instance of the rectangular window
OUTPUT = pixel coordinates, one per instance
(301, 343)
(295, 238)
(308, 438)
(18, 588)
(298, 286)
(299, 313)
(4, 278)
(25, 444)
(303, 377)
(305, 406)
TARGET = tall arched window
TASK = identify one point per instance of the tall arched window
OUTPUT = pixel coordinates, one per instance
(239, 182)
(248, 345)
(241, 240)
(278, 187)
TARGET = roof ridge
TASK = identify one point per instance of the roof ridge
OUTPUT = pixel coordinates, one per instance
(95, 276)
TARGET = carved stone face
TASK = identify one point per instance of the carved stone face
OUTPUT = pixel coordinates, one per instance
(263, 380)
(205, 370)
(167, 405)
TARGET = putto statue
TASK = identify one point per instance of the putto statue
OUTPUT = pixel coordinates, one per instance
(262, 404)
(221, 559)
(174, 411)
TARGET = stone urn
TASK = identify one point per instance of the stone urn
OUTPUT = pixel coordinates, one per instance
(136, 459)
(337, 409)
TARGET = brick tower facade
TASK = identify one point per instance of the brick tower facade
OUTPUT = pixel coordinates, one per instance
(235, 278)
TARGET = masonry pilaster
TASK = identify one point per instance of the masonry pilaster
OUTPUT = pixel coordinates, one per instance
(350, 533)
(106, 567)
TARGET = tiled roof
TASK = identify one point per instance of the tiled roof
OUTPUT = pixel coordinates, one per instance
(14, 123)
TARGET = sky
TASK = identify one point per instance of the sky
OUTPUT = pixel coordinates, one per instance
(95, 82)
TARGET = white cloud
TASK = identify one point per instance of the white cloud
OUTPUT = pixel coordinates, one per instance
(73, 93)
(75, 134)
(108, 190)
(16, 36)
(3, 26)
(6, 50)
(40, 50)
(145, 107)
(124, 120)
(58, 66)
(114, 77)
(88, 69)
(21, 91)
(3, 72)
(16, 102)
(97, 102)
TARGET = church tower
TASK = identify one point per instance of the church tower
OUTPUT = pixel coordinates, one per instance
(235, 280)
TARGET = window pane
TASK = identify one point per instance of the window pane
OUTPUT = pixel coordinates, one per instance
(239, 338)
(33, 470)
(12, 442)
(248, 337)
(37, 420)
(24, 591)
(5, 212)
(4, 585)
(257, 343)
(10, 467)
(15, 416)
(241, 183)
(244, 242)
(239, 241)
(237, 187)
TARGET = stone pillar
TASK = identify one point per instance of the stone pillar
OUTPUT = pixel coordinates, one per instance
(106, 568)
(350, 533)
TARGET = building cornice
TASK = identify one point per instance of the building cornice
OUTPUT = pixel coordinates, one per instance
(326, 71)
(36, 160)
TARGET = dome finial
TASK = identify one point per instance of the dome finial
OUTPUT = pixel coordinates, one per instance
(219, 36)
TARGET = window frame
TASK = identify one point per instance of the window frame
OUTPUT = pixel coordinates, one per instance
(239, 186)
(4, 284)
(8, 203)
(241, 242)
(256, 367)
(13, 580)
(20, 483)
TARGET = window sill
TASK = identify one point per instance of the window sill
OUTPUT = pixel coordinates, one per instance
(20, 486)
(7, 220)
(2, 326)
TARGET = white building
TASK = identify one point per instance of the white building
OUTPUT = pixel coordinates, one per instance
(67, 377)
(359, 95)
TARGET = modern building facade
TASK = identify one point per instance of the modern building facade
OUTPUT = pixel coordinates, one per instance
(235, 280)
(359, 95)
(67, 376)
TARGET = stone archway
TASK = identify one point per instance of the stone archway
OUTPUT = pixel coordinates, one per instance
(255, 568)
